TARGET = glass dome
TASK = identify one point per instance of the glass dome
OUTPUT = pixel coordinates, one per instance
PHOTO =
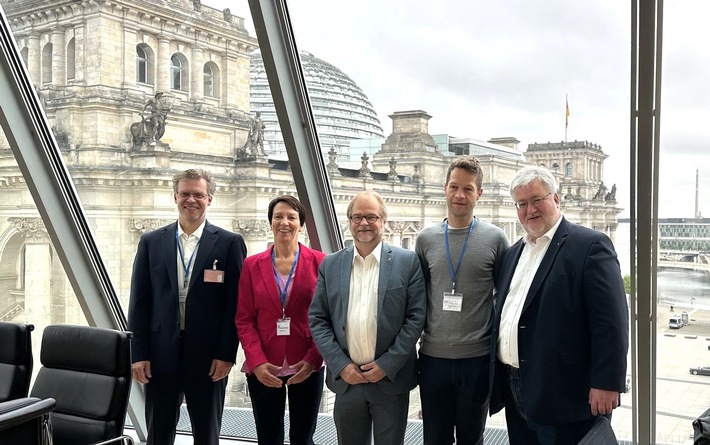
(342, 110)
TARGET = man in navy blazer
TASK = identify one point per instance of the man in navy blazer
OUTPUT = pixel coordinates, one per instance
(366, 316)
(560, 335)
(181, 312)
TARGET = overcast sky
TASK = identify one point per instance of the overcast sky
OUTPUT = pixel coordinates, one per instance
(486, 69)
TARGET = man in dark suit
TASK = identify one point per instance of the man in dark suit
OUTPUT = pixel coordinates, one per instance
(560, 334)
(366, 316)
(181, 312)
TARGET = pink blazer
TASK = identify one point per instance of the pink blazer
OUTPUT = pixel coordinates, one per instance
(259, 306)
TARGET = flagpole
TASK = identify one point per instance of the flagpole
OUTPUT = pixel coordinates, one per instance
(566, 117)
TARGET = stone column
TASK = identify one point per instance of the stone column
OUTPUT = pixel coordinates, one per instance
(162, 64)
(59, 72)
(396, 234)
(34, 59)
(129, 55)
(79, 53)
(197, 78)
(38, 267)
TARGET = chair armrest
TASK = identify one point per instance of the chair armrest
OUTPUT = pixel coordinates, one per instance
(123, 440)
(18, 411)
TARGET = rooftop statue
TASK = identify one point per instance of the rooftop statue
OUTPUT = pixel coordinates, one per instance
(153, 120)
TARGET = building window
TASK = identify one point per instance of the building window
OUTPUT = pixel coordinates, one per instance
(145, 61)
(71, 60)
(24, 53)
(556, 167)
(211, 79)
(178, 72)
(141, 65)
(406, 243)
(47, 64)
(568, 169)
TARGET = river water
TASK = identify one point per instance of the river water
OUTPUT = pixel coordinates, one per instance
(681, 288)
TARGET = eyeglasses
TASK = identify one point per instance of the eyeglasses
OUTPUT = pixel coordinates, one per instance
(357, 219)
(197, 196)
(537, 202)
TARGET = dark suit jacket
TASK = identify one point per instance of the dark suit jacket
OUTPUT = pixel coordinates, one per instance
(260, 307)
(401, 314)
(573, 330)
(153, 313)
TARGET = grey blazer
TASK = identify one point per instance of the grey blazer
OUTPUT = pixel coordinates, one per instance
(401, 314)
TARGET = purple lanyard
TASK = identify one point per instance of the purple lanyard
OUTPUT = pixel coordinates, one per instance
(282, 292)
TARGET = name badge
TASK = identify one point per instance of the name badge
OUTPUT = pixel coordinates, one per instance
(283, 326)
(453, 302)
(214, 276)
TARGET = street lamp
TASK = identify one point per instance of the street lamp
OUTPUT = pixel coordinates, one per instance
(691, 302)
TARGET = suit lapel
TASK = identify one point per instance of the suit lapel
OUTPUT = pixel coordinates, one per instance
(346, 261)
(547, 261)
(170, 252)
(266, 271)
(385, 269)
(512, 258)
(204, 250)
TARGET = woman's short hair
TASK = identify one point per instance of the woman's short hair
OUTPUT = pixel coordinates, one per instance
(291, 201)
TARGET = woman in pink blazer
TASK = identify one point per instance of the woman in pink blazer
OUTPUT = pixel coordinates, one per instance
(275, 290)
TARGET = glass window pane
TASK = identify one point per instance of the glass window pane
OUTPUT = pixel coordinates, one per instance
(684, 266)
(480, 72)
(141, 65)
(208, 81)
(176, 71)
(34, 288)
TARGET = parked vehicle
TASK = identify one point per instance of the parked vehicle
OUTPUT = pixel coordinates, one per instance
(701, 370)
(675, 322)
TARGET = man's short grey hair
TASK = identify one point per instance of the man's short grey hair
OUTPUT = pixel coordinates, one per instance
(195, 174)
(529, 174)
(369, 193)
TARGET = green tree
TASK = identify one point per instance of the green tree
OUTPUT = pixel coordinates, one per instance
(627, 284)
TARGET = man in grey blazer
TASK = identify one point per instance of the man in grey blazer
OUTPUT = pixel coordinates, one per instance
(367, 314)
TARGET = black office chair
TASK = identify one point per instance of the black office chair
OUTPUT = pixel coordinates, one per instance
(26, 421)
(87, 370)
(15, 360)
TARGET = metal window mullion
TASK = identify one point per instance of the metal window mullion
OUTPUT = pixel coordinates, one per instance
(647, 29)
(293, 109)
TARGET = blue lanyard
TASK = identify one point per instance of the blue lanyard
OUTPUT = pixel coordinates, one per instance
(186, 268)
(282, 292)
(453, 273)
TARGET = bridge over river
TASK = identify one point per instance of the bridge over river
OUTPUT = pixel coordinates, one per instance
(698, 262)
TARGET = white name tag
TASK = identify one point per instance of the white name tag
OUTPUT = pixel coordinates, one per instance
(453, 302)
(283, 326)
(214, 276)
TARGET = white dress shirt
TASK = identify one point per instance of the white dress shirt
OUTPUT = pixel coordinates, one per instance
(529, 262)
(361, 325)
(188, 244)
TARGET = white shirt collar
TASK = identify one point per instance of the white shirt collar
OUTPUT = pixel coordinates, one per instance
(377, 252)
(197, 232)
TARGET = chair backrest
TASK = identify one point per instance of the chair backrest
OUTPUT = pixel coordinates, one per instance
(15, 360)
(87, 370)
